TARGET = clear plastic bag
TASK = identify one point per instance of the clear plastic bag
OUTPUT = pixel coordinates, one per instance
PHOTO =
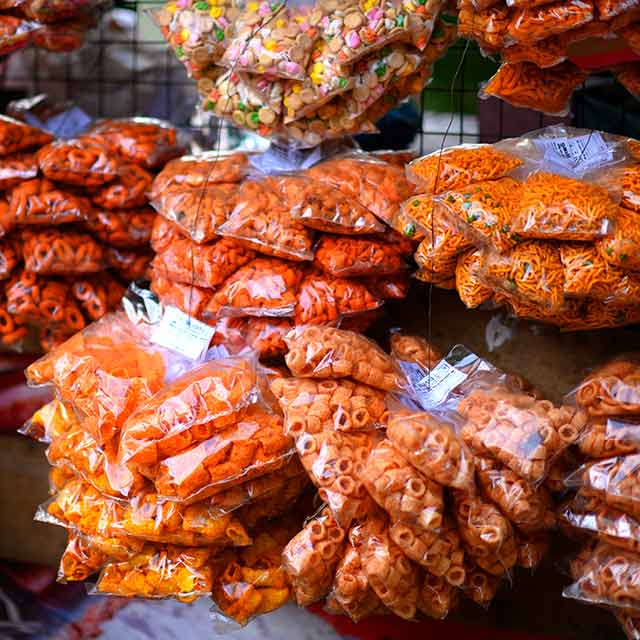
(546, 53)
(413, 350)
(457, 167)
(127, 229)
(266, 335)
(469, 283)
(10, 256)
(479, 586)
(607, 437)
(17, 168)
(49, 421)
(437, 597)
(311, 557)
(78, 161)
(325, 352)
(130, 264)
(189, 298)
(205, 265)
(16, 33)
(622, 249)
(488, 27)
(532, 549)
(312, 406)
(127, 191)
(401, 490)
(18, 136)
(164, 233)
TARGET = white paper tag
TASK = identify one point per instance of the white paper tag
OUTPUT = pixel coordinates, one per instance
(433, 388)
(576, 155)
(179, 332)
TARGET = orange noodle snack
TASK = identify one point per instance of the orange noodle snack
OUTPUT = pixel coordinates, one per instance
(77, 161)
(197, 211)
(523, 433)
(531, 273)
(18, 136)
(456, 167)
(352, 257)
(609, 576)
(432, 446)
(528, 508)
(261, 221)
(416, 349)
(126, 229)
(483, 211)
(37, 299)
(252, 447)
(628, 179)
(536, 23)
(311, 557)
(560, 208)
(55, 252)
(263, 287)
(612, 389)
(469, 283)
(208, 399)
(144, 141)
(323, 299)
(437, 597)
(127, 191)
(391, 574)
(10, 256)
(401, 490)
(312, 406)
(160, 572)
(545, 53)
(189, 298)
(325, 352)
(622, 249)
(588, 275)
(378, 186)
(129, 263)
(322, 207)
(525, 85)
(605, 437)
(488, 26)
(39, 201)
(17, 168)
(205, 265)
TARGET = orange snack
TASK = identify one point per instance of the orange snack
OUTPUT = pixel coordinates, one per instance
(311, 557)
(124, 229)
(378, 186)
(622, 249)
(191, 409)
(39, 201)
(40, 300)
(15, 33)
(545, 53)
(628, 76)
(351, 257)
(457, 167)
(325, 352)
(54, 252)
(323, 299)
(606, 437)
(252, 446)
(414, 349)
(261, 220)
(127, 191)
(62, 37)
(77, 161)
(198, 211)
(17, 168)
(12, 328)
(560, 208)
(398, 158)
(523, 433)
(129, 263)
(587, 274)
(532, 549)
(10, 257)
(437, 597)
(263, 287)
(266, 335)
(189, 298)
(312, 406)
(164, 233)
(631, 35)
(525, 85)
(322, 207)
(469, 283)
(391, 574)
(528, 508)
(432, 447)
(628, 180)
(18, 136)
(402, 491)
(205, 265)
(531, 273)
(144, 141)
(479, 586)
(488, 26)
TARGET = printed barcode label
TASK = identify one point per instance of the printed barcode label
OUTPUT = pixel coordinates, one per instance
(577, 155)
(434, 387)
(179, 332)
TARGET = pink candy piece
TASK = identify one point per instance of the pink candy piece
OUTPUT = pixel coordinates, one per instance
(264, 9)
(353, 40)
(243, 60)
(291, 67)
(375, 14)
(182, 4)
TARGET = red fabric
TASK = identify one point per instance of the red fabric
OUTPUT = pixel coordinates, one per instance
(17, 401)
(600, 53)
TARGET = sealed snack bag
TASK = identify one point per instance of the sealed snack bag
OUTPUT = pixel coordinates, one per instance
(413, 349)
(622, 249)
(487, 26)
(479, 586)
(532, 549)
(18, 136)
(17, 168)
(127, 191)
(469, 283)
(549, 52)
(10, 256)
(605, 437)
(437, 597)
(189, 298)
(126, 229)
(129, 263)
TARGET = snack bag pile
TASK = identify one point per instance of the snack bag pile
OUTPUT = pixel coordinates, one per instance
(75, 222)
(544, 225)
(255, 255)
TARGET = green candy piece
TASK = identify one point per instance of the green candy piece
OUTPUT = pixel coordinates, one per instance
(202, 6)
(219, 34)
(179, 51)
(342, 83)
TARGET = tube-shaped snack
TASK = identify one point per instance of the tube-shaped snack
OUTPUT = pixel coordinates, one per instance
(416, 349)
(437, 597)
(479, 586)
(608, 437)
(532, 548)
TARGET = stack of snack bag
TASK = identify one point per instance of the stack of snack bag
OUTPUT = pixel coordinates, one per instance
(604, 510)
(52, 25)
(254, 255)
(307, 73)
(536, 41)
(545, 225)
(74, 222)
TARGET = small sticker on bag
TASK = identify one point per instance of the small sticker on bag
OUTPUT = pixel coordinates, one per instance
(179, 332)
(576, 155)
(434, 387)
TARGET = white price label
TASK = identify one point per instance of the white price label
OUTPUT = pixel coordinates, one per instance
(179, 332)
(433, 388)
(577, 155)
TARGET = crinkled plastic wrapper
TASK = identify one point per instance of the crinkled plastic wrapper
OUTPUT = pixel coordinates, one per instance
(469, 283)
(479, 586)
(124, 229)
(17, 168)
(18, 136)
(127, 191)
(413, 349)
(622, 249)
(605, 437)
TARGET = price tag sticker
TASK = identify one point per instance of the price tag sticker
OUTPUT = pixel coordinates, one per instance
(178, 332)
(434, 387)
(576, 155)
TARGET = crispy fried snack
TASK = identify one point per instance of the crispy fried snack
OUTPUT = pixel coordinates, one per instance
(266, 335)
(479, 586)
(437, 597)
(126, 229)
(416, 349)
(130, 264)
(18, 136)
(127, 191)
(469, 283)
(487, 26)
(17, 168)
(10, 256)
(605, 437)
(622, 249)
